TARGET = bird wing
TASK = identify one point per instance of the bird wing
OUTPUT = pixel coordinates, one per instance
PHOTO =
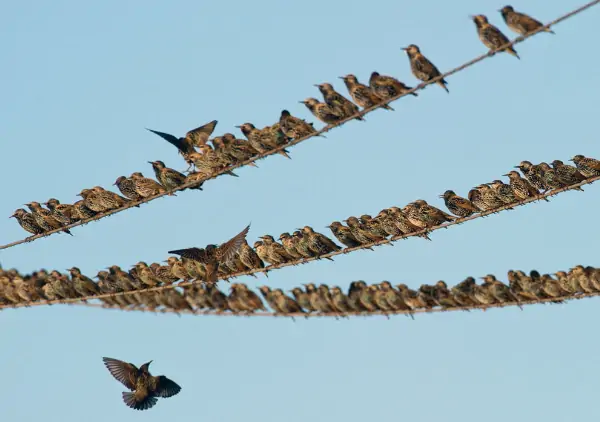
(123, 372)
(465, 204)
(181, 145)
(200, 135)
(196, 254)
(165, 387)
(228, 249)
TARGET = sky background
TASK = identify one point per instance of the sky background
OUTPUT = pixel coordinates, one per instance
(81, 81)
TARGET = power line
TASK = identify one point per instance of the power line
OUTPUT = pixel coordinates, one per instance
(317, 133)
(329, 255)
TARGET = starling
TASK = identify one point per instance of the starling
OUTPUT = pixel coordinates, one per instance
(319, 243)
(289, 244)
(249, 298)
(589, 167)
(551, 287)
(566, 283)
(403, 222)
(222, 152)
(503, 192)
(578, 272)
(422, 68)
(163, 273)
(249, 257)
(286, 304)
(82, 212)
(531, 286)
(432, 215)
(322, 111)
(521, 187)
(320, 298)
(550, 177)
(387, 223)
(293, 127)
(218, 299)
(491, 36)
(240, 149)
(275, 252)
(499, 290)
(362, 94)
(146, 388)
(567, 174)
(234, 301)
(393, 297)
(443, 296)
(169, 178)
(373, 226)
(457, 205)
(261, 140)
(194, 138)
(360, 232)
(178, 269)
(386, 87)
(303, 299)
(82, 284)
(476, 199)
(380, 299)
(99, 200)
(521, 23)
(489, 197)
(213, 255)
(338, 103)
(63, 213)
(463, 292)
(411, 298)
(27, 221)
(127, 187)
(146, 275)
(44, 218)
(146, 187)
(208, 163)
(269, 296)
(344, 234)
(483, 295)
(532, 174)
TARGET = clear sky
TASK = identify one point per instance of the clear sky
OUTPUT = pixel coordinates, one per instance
(81, 81)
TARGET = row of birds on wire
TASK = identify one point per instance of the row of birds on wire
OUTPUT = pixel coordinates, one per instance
(360, 297)
(228, 151)
(236, 256)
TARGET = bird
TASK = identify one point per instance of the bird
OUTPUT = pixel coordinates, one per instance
(127, 187)
(360, 232)
(293, 127)
(261, 140)
(403, 222)
(589, 167)
(169, 178)
(44, 218)
(362, 95)
(82, 212)
(145, 387)
(63, 213)
(489, 197)
(194, 138)
(566, 173)
(458, 205)
(323, 111)
(503, 192)
(269, 296)
(27, 222)
(249, 257)
(532, 174)
(275, 252)
(521, 23)
(422, 68)
(289, 244)
(491, 36)
(100, 200)
(521, 187)
(343, 234)
(213, 255)
(387, 87)
(340, 104)
(319, 243)
(550, 177)
(146, 187)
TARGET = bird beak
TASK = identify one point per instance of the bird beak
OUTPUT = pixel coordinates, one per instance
(404, 48)
(150, 162)
(12, 216)
(239, 127)
(507, 175)
(317, 85)
(517, 167)
(440, 196)
(341, 77)
(78, 195)
(570, 159)
(302, 102)
(471, 17)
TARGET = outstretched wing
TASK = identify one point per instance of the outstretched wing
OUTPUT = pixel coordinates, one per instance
(181, 144)
(227, 250)
(165, 387)
(123, 372)
(196, 254)
(200, 135)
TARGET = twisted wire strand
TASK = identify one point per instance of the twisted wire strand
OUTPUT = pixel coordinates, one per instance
(349, 314)
(306, 260)
(325, 129)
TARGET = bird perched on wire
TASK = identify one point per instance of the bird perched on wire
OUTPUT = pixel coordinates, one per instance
(422, 68)
(169, 178)
(63, 213)
(344, 234)
(145, 387)
(146, 187)
(387, 87)
(127, 187)
(503, 191)
(491, 36)
(340, 104)
(212, 256)
(521, 187)
(533, 174)
(458, 205)
(240, 149)
(322, 111)
(521, 23)
(567, 174)
(319, 243)
(293, 127)
(208, 162)
(362, 94)
(27, 222)
(194, 138)
(261, 139)
(44, 218)
(589, 167)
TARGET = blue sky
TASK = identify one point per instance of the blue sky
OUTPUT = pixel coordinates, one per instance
(81, 82)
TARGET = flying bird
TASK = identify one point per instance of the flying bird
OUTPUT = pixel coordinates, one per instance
(212, 256)
(194, 138)
(145, 387)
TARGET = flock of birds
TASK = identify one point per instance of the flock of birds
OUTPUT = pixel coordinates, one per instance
(236, 256)
(360, 298)
(227, 150)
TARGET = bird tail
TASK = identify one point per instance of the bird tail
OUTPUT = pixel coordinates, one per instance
(549, 30)
(443, 83)
(229, 172)
(387, 107)
(67, 231)
(284, 152)
(513, 52)
(146, 403)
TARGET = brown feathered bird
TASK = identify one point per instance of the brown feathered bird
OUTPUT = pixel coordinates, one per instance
(145, 387)
(213, 255)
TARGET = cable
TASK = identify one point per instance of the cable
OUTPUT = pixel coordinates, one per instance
(317, 133)
(329, 255)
